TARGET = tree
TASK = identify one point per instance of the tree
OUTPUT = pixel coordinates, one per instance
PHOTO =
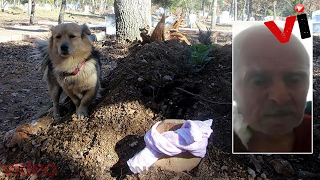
(214, 14)
(62, 10)
(244, 11)
(130, 16)
(235, 10)
(102, 7)
(249, 9)
(274, 10)
(33, 6)
(93, 6)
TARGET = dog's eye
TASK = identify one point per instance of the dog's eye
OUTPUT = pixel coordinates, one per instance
(72, 36)
(58, 37)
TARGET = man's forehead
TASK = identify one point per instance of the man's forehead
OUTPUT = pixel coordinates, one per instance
(258, 43)
(261, 72)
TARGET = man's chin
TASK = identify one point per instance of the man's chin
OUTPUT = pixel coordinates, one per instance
(277, 132)
(277, 128)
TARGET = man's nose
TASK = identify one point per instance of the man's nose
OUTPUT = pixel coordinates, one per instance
(278, 92)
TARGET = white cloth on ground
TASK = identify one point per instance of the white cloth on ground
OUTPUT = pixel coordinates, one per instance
(192, 136)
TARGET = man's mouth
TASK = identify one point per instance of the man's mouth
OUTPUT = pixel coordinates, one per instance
(278, 115)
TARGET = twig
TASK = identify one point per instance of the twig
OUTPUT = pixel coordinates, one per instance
(42, 112)
(197, 95)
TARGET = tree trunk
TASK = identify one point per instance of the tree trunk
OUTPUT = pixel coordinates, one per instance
(231, 9)
(29, 6)
(93, 6)
(130, 16)
(203, 7)
(214, 14)
(33, 6)
(249, 9)
(244, 10)
(235, 10)
(274, 10)
(101, 8)
(62, 10)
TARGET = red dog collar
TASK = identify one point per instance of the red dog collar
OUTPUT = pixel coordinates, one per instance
(75, 72)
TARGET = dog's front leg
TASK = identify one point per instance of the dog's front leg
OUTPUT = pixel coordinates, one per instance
(88, 97)
(55, 92)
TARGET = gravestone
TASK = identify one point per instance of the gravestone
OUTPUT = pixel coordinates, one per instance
(225, 18)
(192, 20)
(86, 9)
(110, 24)
(316, 21)
(5, 6)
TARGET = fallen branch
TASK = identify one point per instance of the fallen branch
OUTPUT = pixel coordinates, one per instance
(43, 112)
(197, 95)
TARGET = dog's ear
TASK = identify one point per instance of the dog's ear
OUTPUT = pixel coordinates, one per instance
(85, 30)
(50, 40)
(52, 27)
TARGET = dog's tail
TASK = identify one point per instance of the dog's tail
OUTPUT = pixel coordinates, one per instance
(41, 53)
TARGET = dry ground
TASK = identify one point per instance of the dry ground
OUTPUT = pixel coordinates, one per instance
(138, 93)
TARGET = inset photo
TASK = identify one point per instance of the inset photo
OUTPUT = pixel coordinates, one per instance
(272, 90)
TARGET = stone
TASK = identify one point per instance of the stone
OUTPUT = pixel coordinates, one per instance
(282, 167)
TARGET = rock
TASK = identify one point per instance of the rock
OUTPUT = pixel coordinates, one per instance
(263, 176)
(256, 161)
(24, 131)
(224, 168)
(282, 167)
(307, 175)
(2, 174)
(252, 172)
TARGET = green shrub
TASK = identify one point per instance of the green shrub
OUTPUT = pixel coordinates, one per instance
(199, 54)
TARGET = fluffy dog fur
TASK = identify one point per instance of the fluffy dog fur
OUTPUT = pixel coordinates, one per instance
(71, 64)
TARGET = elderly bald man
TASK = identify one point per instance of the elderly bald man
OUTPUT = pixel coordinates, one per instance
(271, 82)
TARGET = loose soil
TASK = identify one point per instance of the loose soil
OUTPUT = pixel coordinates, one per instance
(142, 85)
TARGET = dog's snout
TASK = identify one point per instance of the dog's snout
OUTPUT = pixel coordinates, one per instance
(64, 47)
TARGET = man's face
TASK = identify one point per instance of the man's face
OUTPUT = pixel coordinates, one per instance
(272, 85)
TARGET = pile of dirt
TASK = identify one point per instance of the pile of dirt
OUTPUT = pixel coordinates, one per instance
(144, 85)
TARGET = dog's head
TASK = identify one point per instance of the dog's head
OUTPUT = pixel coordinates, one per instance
(70, 39)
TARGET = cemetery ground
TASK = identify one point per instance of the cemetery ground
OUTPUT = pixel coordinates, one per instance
(142, 85)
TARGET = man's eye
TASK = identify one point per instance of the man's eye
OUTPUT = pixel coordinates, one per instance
(259, 82)
(294, 80)
(72, 36)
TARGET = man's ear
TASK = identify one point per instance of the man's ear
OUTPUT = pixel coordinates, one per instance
(85, 30)
(238, 102)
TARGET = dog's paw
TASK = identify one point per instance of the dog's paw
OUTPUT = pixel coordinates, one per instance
(57, 118)
(82, 114)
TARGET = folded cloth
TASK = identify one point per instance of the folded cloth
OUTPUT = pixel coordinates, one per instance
(192, 136)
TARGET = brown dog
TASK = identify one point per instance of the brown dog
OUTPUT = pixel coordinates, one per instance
(70, 63)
